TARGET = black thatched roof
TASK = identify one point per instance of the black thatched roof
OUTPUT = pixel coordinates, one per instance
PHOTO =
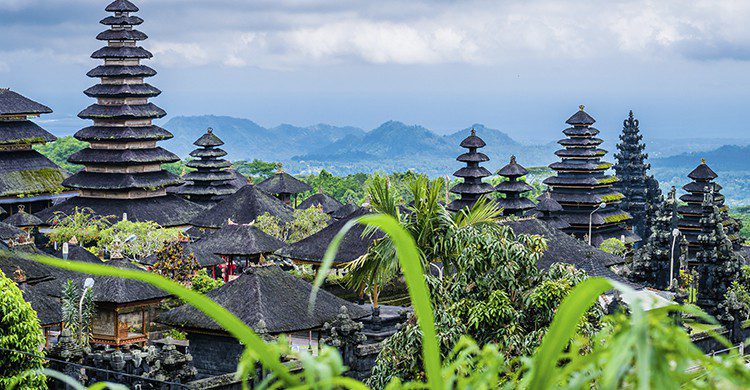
(238, 240)
(312, 249)
(121, 21)
(135, 111)
(473, 141)
(32, 271)
(513, 169)
(121, 70)
(122, 90)
(47, 308)
(243, 207)
(114, 290)
(266, 294)
(8, 231)
(78, 253)
(122, 134)
(209, 139)
(562, 248)
(205, 259)
(328, 203)
(283, 183)
(90, 156)
(23, 132)
(121, 35)
(167, 211)
(12, 103)
(121, 6)
(129, 52)
(547, 203)
(344, 211)
(703, 173)
(23, 219)
(581, 118)
(121, 181)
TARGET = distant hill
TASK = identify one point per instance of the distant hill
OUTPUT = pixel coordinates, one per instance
(725, 158)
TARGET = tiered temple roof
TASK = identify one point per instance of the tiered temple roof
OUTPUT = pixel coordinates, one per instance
(651, 265)
(472, 174)
(284, 186)
(243, 207)
(547, 210)
(514, 203)
(692, 212)
(211, 181)
(641, 195)
(123, 166)
(327, 203)
(26, 177)
(22, 219)
(581, 185)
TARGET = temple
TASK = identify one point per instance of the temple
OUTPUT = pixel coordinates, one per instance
(211, 181)
(327, 203)
(582, 187)
(243, 207)
(26, 177)
(652, 262)
(641, 190)
(123, 176)
(692, 211)
(472, 187)
(547, 209)
(284, 186)
(513, 189)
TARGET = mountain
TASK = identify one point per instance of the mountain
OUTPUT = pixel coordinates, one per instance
(725, 158)
(245, 139)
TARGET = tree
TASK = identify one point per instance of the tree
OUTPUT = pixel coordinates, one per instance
(204, 283)
(83, 224)
(304, 224)
(257, 170)
(79, 323)
(613, 246)
(140, 239)
(21, 338)
(174, 264)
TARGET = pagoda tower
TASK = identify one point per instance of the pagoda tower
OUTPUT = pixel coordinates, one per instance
(692, 212)
(514, 203)
(715, 261)
(123, 175)
(634, 181)
(27, 178)
(472, 187)
(582, 187)
(211, 180)
(547, 210)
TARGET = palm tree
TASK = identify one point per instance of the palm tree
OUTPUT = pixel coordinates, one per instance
(425, 217)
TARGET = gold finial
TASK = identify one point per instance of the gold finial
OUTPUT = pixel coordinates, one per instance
(703, 161)
(21, 208)
(513, 159)
(581, 107)
(210, 130)
(473, 132)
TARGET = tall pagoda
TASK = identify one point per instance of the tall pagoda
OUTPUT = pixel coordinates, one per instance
(514, 203)
(123, 173)
(211, 180)
(472, 187)
(641, 195)
(692, 212)
(26, 177)
(582, 187)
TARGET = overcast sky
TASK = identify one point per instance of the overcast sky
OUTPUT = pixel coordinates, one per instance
(519, 66)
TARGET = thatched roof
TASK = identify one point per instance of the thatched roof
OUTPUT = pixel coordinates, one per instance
(78, 253)
(48, 309)
(243, 207)
(344, 211)
(238, 240)
(27, 172)
(328, 203)
(283, 183)
(167, 211)
(8, 231)
(32, 271)
(265, 294)
(312, 249)
(23, 219)
(114, 290)
(563, 248)
(204, 258)
(12, 103)
(23, 132)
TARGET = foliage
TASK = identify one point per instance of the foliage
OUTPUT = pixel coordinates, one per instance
(177, 168)
(146, 238)
(171, 262)
(202, 282)
(83, 224)
(175, 334)
(738, 296)
(59, 151)
(79, 325)
(613, 246)
(257, 170)
(19, 331)
(304, 224)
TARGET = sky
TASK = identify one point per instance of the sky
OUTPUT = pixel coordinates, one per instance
(519, 66)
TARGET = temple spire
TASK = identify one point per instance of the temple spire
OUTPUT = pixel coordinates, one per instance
(513, 189)
(211, 180)
(472, 187)
(582, 187)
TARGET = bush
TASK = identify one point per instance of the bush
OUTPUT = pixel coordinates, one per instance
(613, 246)
(19, 331)
(203, 282)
